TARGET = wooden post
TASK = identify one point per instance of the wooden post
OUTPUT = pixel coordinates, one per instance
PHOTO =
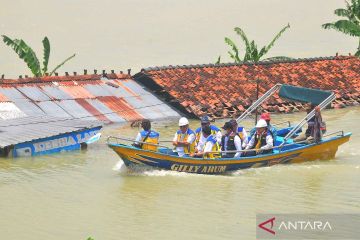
(257, 97)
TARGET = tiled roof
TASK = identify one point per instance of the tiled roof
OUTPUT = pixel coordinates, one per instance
(225, 90)
(108, 98)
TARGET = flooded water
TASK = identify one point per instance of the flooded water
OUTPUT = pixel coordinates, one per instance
(91, 193)
(122, 34)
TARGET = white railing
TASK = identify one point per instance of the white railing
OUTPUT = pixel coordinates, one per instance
(259, 101)
(322, 105)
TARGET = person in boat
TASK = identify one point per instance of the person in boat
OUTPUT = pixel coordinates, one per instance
(184, 139)
(200, 139)
(211, 147)
(262, 141)
(240, 130)
(315, 126)
(231, 141)
(147, 136)
(267, 118)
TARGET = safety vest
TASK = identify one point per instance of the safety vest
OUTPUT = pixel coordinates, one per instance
(198, 132)
(272, 129)
(182, 137)
(153, 138)
(230, 145)
(215, 148)
(261, 141)
(241, 134)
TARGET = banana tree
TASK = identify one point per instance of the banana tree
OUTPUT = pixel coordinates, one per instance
(28, 55)
(252, 53)
(350, 25)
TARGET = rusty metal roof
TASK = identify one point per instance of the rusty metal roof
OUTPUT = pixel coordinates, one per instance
(108, 98)
(226, 90)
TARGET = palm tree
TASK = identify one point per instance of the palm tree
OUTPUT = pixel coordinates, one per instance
(252, 54)
(28, 55)
(350, 25)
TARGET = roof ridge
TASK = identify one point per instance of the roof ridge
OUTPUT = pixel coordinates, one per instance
(64, 78)
(264, 62)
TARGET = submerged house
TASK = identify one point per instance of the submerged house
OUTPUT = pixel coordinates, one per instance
(52, 114)
(107, 98)
(226, 90)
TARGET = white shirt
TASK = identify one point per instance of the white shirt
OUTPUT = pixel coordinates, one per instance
(237, 142)
(138, 138)
(202, 140)
(269, 142)
(180, 150)
(246, 140)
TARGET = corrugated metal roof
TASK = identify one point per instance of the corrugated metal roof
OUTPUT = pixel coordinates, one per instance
(117, 92)
(33, 92)
(26, 129)
(116, 98)
(55, 92)
(52, 109)
(29, 108)
(98, 90)
(101, 107)
(77, 91)
(76, 110)
(91, 109)
(3, 98)
(120, 107)
(9, 110)
(11, 93)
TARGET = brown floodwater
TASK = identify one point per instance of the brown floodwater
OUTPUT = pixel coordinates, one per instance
(77, 194)
(122, 34)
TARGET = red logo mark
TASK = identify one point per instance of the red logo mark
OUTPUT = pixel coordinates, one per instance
(262, 225)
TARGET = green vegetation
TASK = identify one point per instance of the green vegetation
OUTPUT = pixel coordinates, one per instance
(350, 25)
(28, 55)
(252, 53)
(90, 238)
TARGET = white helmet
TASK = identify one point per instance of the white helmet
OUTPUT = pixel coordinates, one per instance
(183, 121)
(261, 123)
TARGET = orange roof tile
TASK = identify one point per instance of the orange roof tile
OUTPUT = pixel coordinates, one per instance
(225, 90)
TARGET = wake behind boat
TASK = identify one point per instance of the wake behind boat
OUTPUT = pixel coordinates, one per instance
(285, 150)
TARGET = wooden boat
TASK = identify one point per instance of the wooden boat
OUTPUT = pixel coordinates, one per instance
(291, 153)
(285, 150)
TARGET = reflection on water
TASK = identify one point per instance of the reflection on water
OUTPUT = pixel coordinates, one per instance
(76, 194)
